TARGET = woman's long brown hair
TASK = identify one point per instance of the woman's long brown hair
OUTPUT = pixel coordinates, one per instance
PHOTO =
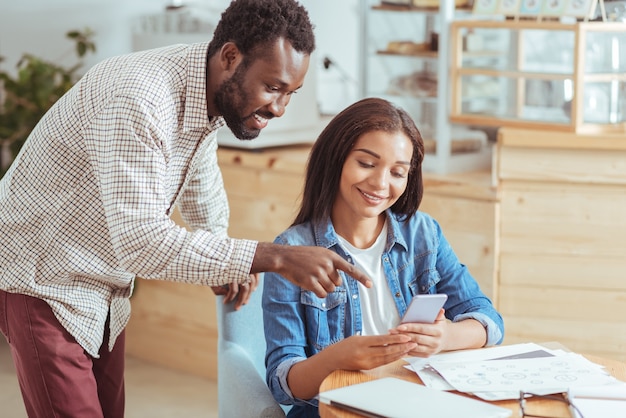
(332, 147)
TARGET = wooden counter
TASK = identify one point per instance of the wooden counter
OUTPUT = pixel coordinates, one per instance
(263, 189)
(173, 324)
(562, 243)
(544, 235)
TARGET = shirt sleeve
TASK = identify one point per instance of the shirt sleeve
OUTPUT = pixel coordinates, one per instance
(285, 334)
(129, 153)
(494, 333)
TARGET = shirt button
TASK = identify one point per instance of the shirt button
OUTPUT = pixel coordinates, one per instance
(398, 294)
(323, 305)
(355, 296)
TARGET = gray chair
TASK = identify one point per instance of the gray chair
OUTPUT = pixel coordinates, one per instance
(242, 391)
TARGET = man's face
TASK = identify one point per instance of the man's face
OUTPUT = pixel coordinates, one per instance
(260, 89)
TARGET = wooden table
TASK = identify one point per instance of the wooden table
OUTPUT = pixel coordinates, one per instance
(342, 378)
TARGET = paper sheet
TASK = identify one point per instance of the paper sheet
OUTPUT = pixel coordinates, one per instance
(601, 408)
(479, 354)
(500, 359)
(433, 379)
(556, 374)
(599, 401)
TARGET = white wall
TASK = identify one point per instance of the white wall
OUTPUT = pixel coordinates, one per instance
(38, 27)
(337, 24)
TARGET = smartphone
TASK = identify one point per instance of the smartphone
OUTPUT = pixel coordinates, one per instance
(424, 308)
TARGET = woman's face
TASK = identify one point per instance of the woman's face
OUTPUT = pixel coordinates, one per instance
(375, 174)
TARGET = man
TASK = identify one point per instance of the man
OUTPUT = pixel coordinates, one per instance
(85, 207)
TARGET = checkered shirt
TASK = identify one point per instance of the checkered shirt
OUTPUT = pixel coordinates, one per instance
(85, 207)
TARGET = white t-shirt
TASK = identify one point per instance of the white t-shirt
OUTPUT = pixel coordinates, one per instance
(378, 309)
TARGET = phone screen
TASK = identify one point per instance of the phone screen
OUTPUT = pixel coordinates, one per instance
(424, 308)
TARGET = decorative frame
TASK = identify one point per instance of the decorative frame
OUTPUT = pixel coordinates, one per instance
(485, 7)
(531, 7)
(509, 7)
(554, 7)
(580, 8)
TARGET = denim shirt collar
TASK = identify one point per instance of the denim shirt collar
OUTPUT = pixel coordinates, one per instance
(325, 235)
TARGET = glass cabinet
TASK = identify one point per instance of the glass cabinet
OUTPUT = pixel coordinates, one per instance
(546, 75)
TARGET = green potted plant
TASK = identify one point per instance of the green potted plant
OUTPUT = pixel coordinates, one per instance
(25, 97)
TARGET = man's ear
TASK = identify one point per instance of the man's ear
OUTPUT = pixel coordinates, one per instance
(230, 56)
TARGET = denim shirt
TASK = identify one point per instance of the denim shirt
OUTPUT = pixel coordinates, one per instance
(417, 259)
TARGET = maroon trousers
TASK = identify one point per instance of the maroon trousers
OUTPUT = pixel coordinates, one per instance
(57, 377)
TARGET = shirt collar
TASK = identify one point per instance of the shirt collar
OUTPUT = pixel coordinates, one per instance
(196, 115)
(325, 235)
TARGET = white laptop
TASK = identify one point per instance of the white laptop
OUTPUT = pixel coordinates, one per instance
(396, 398)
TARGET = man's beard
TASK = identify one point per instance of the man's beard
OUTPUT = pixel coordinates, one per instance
(230, 97)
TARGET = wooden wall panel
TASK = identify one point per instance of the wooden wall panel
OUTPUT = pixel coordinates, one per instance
(258, 184)
(174, 325)
(562, 165)
(562, 270)
(262, 202)
(469, 226)
(568, 303)
(599, 338)
(261, 219)
(556, 218)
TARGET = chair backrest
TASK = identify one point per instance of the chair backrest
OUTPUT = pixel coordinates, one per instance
(242, 391)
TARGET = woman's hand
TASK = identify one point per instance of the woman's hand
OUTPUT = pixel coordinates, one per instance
(430, 338)
(443, 335)
(353, 353)
(367, 352)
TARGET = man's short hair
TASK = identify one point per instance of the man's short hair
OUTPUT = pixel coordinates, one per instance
(253, 23)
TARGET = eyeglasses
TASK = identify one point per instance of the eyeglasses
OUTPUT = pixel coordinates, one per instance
(523, 411)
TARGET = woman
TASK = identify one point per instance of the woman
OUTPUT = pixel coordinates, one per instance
(361, 196)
